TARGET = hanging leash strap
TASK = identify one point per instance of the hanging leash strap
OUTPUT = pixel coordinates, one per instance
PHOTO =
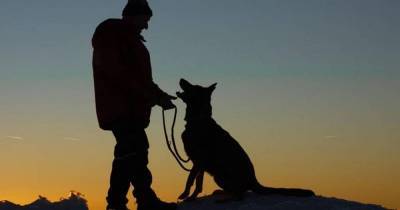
(173, 149)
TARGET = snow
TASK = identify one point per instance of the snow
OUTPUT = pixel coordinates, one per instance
(251, 202)
(75, 201)
(275, 202)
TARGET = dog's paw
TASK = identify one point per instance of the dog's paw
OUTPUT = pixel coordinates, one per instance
(190, 198)
(183, 195)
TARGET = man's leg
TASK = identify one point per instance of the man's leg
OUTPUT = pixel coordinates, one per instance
(141, 177)
(119, 185)
(121, 173)
(131, 149)
(141, 180)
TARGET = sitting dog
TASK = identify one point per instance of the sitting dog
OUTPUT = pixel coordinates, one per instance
(215, 151)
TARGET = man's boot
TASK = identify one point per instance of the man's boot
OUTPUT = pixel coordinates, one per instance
(149, 201)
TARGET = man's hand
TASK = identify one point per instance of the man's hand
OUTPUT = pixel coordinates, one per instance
(166, 102)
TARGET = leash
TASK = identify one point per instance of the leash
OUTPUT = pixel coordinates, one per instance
(173, 149)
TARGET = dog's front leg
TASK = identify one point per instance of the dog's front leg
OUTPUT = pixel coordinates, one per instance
(199, 186)
(192, 175)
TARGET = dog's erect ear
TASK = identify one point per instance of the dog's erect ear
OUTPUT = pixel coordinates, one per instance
(212, 87)
(185, 84)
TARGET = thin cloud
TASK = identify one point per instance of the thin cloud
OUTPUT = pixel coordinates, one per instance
(330, 137)
(18, 138)
(71, 139)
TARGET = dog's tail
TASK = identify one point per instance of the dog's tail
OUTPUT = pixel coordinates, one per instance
(258, 188)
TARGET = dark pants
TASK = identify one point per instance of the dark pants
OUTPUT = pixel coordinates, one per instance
(129, 166)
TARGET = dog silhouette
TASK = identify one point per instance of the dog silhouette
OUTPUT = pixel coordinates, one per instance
(215, 151)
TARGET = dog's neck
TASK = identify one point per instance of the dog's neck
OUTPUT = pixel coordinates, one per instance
(198, 114)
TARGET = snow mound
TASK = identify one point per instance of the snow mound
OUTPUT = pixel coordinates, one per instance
(75, 201)
(275, 202)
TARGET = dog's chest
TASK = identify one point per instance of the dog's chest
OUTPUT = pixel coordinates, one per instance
(205, 142)
(197, 142)
(193, 141)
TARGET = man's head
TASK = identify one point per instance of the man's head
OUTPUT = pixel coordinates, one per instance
(137, 13)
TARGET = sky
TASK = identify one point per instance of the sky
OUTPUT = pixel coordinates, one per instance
(309, 89)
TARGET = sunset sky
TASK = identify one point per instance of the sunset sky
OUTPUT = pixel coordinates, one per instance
(309, 88)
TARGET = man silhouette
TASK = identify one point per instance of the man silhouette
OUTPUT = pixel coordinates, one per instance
(125, 93)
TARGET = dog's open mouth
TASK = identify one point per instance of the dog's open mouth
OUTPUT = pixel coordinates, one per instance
(179, 94)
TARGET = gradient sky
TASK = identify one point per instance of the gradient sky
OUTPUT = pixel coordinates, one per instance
(309, 88)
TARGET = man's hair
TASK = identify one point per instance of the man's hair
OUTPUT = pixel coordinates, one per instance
(137, 7)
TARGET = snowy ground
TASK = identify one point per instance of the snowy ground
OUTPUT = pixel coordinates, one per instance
(74, 202)
(251, 202)
(258, 202)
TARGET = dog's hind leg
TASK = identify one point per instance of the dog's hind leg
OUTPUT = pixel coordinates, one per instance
(218, 192)
(233, 190)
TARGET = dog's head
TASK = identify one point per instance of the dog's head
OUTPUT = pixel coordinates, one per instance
(195, 94)
(197, 99)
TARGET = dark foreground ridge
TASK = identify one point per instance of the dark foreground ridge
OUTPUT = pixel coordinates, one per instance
(251, 202)
(275, 202)
(74, 202)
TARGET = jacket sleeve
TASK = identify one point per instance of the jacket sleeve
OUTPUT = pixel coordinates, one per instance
(158, 95)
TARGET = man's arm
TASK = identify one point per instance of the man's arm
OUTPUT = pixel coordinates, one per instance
(114, 68)
(162, 98)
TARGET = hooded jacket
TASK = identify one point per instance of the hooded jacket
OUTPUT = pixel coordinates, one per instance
(124, 87)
